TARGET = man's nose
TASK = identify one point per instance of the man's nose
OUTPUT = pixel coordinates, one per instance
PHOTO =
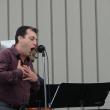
(35, 43)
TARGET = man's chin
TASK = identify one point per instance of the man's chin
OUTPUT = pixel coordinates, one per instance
(27, 54)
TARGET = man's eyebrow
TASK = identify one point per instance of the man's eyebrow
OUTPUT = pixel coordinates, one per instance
(33, 37)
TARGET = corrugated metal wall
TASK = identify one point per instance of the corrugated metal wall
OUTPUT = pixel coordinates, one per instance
(76, 34)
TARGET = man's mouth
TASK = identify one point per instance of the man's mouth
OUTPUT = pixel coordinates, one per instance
(32, 49)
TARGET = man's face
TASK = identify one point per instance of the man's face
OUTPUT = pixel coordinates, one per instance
(29, 42)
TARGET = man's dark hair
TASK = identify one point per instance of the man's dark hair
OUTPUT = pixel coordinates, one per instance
(21, 31)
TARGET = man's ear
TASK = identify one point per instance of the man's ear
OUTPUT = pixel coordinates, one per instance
(19, 38)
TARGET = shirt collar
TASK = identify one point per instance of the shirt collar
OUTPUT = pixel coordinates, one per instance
(14, 50)
(16, 53)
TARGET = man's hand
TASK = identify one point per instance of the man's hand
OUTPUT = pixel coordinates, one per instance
(21, 67)
(39, 108)
(28, 74)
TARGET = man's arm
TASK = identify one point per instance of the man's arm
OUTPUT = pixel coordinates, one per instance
(37, 92)
(5, 74)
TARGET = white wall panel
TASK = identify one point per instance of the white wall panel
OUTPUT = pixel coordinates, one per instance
(103, 7)
(3, 20)
(59, 41)
(14, 17)
(104, 38)
(89, 41)
(73, 28)
(29, 12)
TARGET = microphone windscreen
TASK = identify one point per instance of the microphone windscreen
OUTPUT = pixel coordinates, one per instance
(41, 48)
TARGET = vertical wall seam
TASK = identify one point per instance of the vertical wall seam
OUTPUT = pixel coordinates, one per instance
(81, 40)
(22, 12)
(8, 19)
(37, 28)
(51, 33)
(96, 31)
(36, 13)
(66, 42)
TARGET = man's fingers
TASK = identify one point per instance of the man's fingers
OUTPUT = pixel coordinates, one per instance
(24, 72)
(26, 79)
(26, 68)
(19, 62)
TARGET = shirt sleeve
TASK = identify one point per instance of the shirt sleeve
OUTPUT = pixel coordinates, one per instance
(35, 86)
(8, 76)
(37, 92)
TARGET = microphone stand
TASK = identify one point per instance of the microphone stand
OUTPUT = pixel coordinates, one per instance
(44, 76)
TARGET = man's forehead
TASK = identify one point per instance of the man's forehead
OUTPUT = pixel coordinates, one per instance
(31, 33)
(28, 31)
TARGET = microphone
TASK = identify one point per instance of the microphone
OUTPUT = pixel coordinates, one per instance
(41, 48)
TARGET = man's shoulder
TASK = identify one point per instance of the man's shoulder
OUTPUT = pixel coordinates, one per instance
(5, 52)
